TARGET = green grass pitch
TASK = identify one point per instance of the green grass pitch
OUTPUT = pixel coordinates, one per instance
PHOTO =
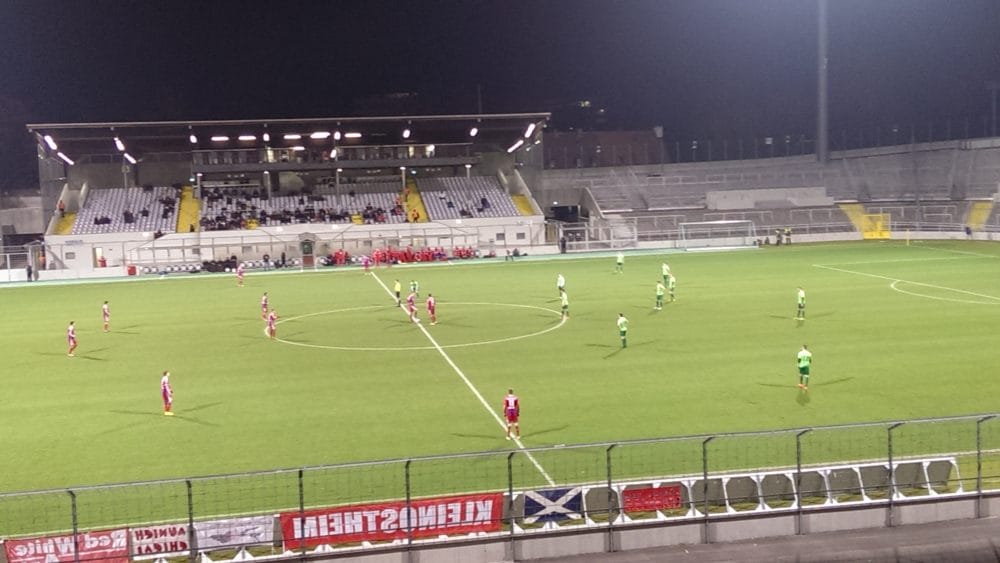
(897, 331)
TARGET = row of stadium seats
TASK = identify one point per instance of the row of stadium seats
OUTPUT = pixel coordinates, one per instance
(455, 198)
(105, 211)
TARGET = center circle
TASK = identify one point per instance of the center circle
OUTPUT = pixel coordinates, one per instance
(429, 346)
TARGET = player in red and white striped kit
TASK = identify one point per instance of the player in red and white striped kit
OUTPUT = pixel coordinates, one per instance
(240, 271)
(512, 410)
(411, 306)
(71, 338)
(432, 308)
(272, 327)
(106, 313)
(263, 307)
(167, 393)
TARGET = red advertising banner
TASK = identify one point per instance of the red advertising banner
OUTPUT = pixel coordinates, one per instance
(105, 546)
(652, 498)
(463, 514)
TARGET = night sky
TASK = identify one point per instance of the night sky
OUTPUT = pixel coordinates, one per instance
(723, 68)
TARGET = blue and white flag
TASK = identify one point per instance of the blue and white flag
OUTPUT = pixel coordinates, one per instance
(553, 505)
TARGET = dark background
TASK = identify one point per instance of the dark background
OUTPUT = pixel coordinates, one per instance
(722, 68)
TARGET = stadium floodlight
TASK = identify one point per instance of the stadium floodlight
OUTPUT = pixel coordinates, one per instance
(473, 132)
(66, 158)
(320, 135)
(220, 139)
(515, 146)
(51, 142)
(340, 170)
(468, 166)
(129, 158)
(530, 130)
(119, 144)
(298, 148)
(267, 137)
(352, 135)
(247, 137)
(406, 133)
(336, 135)
(403, 168)
(193, 139)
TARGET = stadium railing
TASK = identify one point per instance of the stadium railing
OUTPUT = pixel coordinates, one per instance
(511, 492)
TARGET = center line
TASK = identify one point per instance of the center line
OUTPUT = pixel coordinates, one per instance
(469, 384)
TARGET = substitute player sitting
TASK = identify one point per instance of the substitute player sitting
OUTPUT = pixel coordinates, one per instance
(512, 411)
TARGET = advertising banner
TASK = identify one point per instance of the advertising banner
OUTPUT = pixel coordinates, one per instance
(234, 532)
(432, 517)
(647, 499)
(151, 542)
(104, 546)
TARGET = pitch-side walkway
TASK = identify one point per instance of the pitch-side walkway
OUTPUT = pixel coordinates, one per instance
(962, 541)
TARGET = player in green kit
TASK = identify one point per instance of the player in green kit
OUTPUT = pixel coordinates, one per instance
(666, 272)
(397, 287)
(804, 360)
(620, 263)
(660, 291)
(414, 287)
(800, 315)
(623, 329)
(672, 286)
(565, 304)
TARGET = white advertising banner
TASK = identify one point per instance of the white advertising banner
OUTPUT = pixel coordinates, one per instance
(234, 532)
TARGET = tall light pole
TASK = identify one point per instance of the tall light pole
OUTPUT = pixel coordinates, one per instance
(993, 86)
(822, 117)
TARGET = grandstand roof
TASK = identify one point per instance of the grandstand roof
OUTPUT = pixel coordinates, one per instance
(156, 136)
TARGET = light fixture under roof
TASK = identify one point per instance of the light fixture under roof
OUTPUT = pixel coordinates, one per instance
(119, 145)
(406, 133)
(292, 137)
(530, 130)
(515, 146)
(51, 142)
(473, 132)
(352, 135)
(336, 135)
(220, 139)
(333, 153)
(267, 137)
(247, 137)
(66, 158)
(298, 148)
(319, 135)
(129, 158)
(193, 139)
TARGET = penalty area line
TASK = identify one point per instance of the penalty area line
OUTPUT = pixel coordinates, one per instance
(469, 384)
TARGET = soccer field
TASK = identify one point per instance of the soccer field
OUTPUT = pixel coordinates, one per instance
(897, 331)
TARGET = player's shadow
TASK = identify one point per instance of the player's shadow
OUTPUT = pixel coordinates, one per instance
(833, 381)
(490, 437)
(544, 431)
(802, 398)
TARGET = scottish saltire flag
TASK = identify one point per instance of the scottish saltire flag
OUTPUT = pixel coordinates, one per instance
(553, 505)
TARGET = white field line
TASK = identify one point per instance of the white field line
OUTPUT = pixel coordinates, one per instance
(966, 252)
(468, 384)
(894, 280)
(900, 260)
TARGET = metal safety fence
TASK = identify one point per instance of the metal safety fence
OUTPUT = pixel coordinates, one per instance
(501, 493)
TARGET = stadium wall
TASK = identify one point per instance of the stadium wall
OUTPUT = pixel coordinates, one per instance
(73, 256)
(718, 529)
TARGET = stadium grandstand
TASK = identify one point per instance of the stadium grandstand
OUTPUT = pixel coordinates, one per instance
(154, 196)
(159, 196)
